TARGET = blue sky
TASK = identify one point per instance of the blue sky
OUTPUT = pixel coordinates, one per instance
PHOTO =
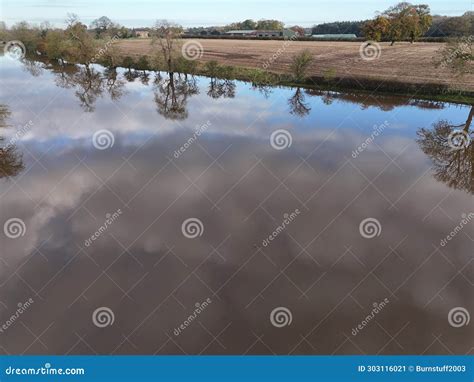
(209, 12)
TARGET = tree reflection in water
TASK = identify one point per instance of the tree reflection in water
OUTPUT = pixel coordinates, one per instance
(113, 84)
(144, 77)
(131, 75)
(221, 88)
(265, 90)
(453, 166)
(298, 105)
(382, 102)
(89, 83)
(172, 91)
(11, 161)
(35, 68)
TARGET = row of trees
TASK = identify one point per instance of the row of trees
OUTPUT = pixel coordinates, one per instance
(250, 24)
(442, 26)
(79, 44)
(339, 27)
(75, 43)
(403, 21)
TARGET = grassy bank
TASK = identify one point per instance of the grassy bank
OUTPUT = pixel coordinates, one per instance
(404, 68)
(260, 77)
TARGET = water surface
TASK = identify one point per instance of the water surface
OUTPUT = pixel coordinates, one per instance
(201, 148)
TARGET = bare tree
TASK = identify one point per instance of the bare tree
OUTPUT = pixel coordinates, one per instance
(82, 47)
(166, 34)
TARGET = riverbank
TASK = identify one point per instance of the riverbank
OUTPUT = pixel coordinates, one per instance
(407, 69)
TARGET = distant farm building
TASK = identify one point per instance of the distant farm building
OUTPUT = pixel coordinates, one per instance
(241, 33)
(335, 36)
(269, 33)
(262, 33)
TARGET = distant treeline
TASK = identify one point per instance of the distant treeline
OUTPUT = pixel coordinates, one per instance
(439, 27)
(340, 27)
(442, 26)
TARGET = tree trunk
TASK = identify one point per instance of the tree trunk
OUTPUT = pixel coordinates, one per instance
(469, 120)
